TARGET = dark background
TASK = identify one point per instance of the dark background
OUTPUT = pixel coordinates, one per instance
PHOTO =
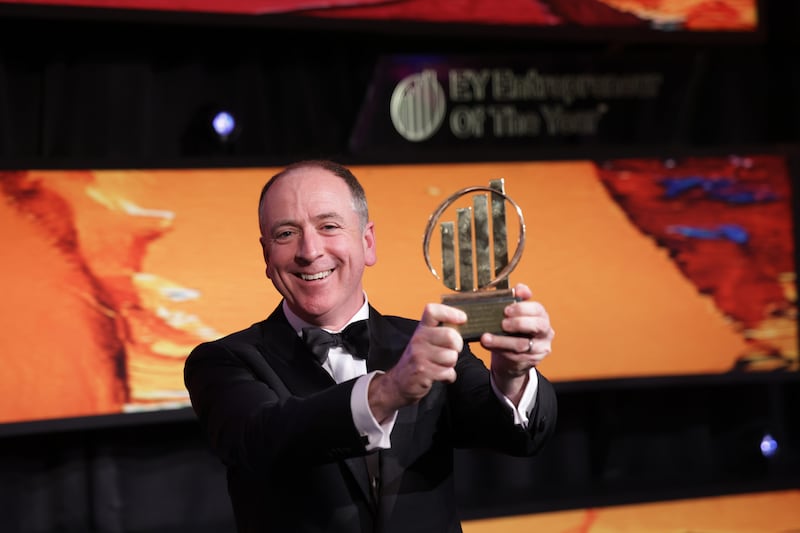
(93, 89)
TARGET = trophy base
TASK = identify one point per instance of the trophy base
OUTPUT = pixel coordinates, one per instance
(484, 311)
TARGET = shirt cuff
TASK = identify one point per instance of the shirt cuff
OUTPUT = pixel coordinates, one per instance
(522, 411)
(377, 436)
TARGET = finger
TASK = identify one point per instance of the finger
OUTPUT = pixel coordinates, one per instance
(522, 291)
(516, 346)
(527, 318)
(440, 364)
(447, 374)
(437, 314)
(433, 339)
(526, 308)
(506, 344)
(536, 327)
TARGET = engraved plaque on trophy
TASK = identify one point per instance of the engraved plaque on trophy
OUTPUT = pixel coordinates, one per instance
(474, 256)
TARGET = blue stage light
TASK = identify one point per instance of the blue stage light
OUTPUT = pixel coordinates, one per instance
(769, 446)
(224, 125)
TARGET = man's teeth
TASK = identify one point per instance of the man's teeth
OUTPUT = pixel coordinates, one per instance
(318, 275)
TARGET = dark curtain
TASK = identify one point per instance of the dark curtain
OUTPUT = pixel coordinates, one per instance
(156, 478)
(614, 444)
(126, 93)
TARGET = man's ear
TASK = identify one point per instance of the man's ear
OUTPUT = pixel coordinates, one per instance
(265, 253)
(370, 250)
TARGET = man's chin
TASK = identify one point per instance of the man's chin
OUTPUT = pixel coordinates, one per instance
(310, 310)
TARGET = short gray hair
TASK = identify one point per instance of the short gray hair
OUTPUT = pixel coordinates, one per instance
(357, 193)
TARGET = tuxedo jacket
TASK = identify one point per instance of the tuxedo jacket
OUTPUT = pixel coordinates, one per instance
(295, 460)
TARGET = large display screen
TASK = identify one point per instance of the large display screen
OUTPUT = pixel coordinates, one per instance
(649, 267)
(648, 15)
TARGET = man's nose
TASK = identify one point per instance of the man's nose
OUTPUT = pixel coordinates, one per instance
(310, 246)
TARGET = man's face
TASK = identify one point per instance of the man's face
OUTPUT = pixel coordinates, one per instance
(314, 247)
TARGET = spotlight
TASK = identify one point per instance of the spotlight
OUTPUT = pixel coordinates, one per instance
(213, 129)
(769, 446)
(224, 125)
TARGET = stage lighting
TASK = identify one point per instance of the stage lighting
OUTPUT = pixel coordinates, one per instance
(224, 125)
(212, 130)
(769, 446)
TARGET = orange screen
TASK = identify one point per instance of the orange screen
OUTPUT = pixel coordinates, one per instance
(647, 268)
(767, 512)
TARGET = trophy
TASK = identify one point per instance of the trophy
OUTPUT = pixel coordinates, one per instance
(474, 257)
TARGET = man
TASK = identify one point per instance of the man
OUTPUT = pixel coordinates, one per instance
(347, 444)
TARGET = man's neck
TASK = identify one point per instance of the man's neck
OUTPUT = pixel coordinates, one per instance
(298, 323)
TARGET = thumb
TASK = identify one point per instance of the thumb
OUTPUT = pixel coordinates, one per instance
(436, 314)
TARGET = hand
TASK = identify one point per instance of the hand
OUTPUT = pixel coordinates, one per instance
(430, 356)
(512, 357)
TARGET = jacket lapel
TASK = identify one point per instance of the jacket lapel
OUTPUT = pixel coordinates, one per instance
(289, 356)
(387, 344)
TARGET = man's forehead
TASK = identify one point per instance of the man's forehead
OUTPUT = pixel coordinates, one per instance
(309, 202)
(309, 191)
(308, 177)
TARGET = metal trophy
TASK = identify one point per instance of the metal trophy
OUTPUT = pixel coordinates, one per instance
(475, 257)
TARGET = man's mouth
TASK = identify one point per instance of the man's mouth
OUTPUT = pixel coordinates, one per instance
(312, 277)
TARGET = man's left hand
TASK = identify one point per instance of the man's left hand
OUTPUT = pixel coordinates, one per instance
(528, 343)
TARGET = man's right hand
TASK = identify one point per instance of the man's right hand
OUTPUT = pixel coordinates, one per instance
(430, 356)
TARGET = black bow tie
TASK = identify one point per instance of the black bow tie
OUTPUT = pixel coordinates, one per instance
(354, 339)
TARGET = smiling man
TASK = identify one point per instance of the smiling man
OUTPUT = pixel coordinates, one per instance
(326, 430)
(317, 240)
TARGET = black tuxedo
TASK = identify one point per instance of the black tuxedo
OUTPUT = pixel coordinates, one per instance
(295, 461)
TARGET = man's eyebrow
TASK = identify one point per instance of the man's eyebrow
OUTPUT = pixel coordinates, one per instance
(333, 215)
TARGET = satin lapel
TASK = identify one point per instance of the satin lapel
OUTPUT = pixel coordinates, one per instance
(358, 467)
(289, 357)
(387, 343)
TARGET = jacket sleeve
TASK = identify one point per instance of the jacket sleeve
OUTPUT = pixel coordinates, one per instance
(481, 420)
(253, 420)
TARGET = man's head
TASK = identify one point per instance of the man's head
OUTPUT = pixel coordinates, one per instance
(317, 239)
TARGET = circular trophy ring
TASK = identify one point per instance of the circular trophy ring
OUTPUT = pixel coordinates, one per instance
(506, 271)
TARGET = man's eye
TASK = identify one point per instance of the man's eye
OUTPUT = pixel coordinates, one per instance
(283, 235)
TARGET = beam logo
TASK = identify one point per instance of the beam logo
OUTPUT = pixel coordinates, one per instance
(418, 106)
